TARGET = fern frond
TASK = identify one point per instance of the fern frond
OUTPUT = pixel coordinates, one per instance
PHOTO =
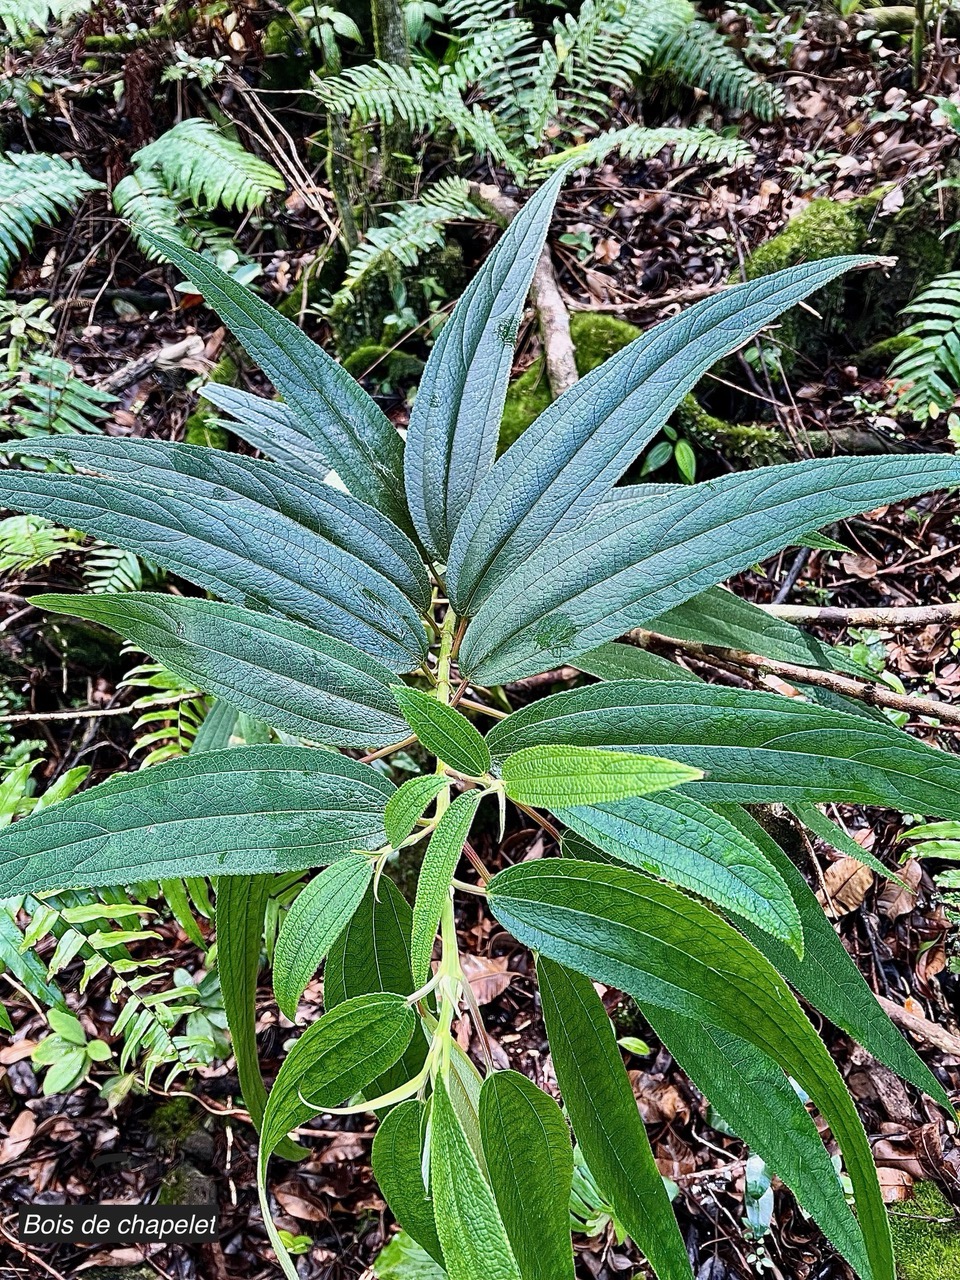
(201, 164)
(635, 142)
(108, 570)
(45, 397)
(35, 191)
(410, 230)
(145, 202)
(172, 712)
(699, 56)
(30, 542)
(927, 374)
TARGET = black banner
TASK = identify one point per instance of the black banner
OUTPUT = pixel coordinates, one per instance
(118, 1223)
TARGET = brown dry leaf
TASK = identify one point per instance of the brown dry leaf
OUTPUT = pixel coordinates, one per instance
(126, 1257)
(290, 1198)
(658, 1100)
(607, 250)
(893, 900)
(859, 565)
(895, 1184)
(488, 976)
(345, 1146)
(16, 1052)
(18, 1139)
(846, 884)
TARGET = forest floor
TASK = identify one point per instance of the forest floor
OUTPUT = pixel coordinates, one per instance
(656, 237)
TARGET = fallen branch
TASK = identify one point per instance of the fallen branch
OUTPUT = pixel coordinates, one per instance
(921, 1027)
(875, 695)
(558, 350)
(188, 353)
(84, 713)
(922, 616)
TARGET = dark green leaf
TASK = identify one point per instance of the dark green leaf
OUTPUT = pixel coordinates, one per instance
(838, 839)
(604, 1115)
(217, 729)
(408, 803)
(242, 811)
(436, 871)
(552, 776)
(397, 1160)
(445, 733)
(626, 662)
(526, 1144)
(268, 425)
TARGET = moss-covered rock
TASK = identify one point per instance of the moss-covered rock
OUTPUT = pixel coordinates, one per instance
(876, 358)
(395, 367)
(172, 1122)
(926, 1236)
(201, 427)
(750, 444)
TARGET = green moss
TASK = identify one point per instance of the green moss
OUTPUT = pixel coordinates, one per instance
(876, 358)
(201, 427)
(750, 444)
(395, 367)
(926, 1236)
(174, 1120)
(527, 397)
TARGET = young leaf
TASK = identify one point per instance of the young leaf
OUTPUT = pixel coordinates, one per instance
(619, 927)
(452, 436)
(237, 812)
(357, 438)
(474, 1241)
(241, 550)
(526, 1146)
(638, 559)
(319, 914)
(268, 425)
(743, 1083)
(444, 731)
(565, 463)
(433, 886)
(398, 1168)
(408, 803)
(603, 1111)
(677, 838)
(552, 776)
(754, 748)
(275, 669)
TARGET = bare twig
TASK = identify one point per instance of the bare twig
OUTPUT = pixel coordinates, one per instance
(187, 354)
(920, 616)
(921, 1027)
(84, 713)
(385, 751)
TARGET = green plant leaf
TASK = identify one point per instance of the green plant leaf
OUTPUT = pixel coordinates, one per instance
(526, 1146)
(241, 811)
(433, 886)
(565, 463)
(333, 1059)
(408, 803)
(455, 420)
(403, 1259)
(241, 550)
(473, 1237)
(274, 669)
(319, 914)
(827, 977)
(268, 425)
(755, 1097)
(838, 839)
(636, 560)
(603, 1111)
(357, 438)
(617, 926)
(5, 1023)
(677, 838)
(626, 662)
(397, 1161)
(444, 731)
(551, 776)
(754, 748)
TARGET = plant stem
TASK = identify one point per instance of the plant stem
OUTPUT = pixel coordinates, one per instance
(920, 616)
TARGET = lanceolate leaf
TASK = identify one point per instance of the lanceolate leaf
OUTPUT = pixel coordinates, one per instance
(639, 559)
(675, 837)
(553, 776)
(622, 928)
(603, 1111)
(475, 1245)
(626, 662)
(319, 914)
(526, 1145)
(433, 886)
(275, 669)
(408, 803)
(357, 438)
(753, 747)
(444, 731)
(755, 1098)
(452, 436)
(397, 1160)
(290, 489)
(565, 463)
(828, 977)
(241, 550)
(242, 811)
(838, 839)
(268, 425)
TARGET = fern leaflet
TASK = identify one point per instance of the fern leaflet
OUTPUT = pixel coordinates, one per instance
(927, 374)
(35, 190)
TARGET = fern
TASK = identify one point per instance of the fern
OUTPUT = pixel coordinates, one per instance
(35, 190)
(927, 374)
(698, 56)
(30, 542)
(635, 142)
(44, 396)
(107, 570)
(172, 713)
(21, 18)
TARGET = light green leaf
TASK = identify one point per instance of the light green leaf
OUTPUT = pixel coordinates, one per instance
(5, 1023)
(603, 1111)
(67, 1026)
(474, 1241)
(408, 803)
(319, 914)
(444, 731)
(552, 776)
(275, 669)
(242, 811)
(403, 1259)
(433, 886)
(526, 1146)
(564, 464)
(66, 1073)
(634, 561)
(620, 927)
(397, 1161)
(452, 436)
(357, 438)
(677, 838)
